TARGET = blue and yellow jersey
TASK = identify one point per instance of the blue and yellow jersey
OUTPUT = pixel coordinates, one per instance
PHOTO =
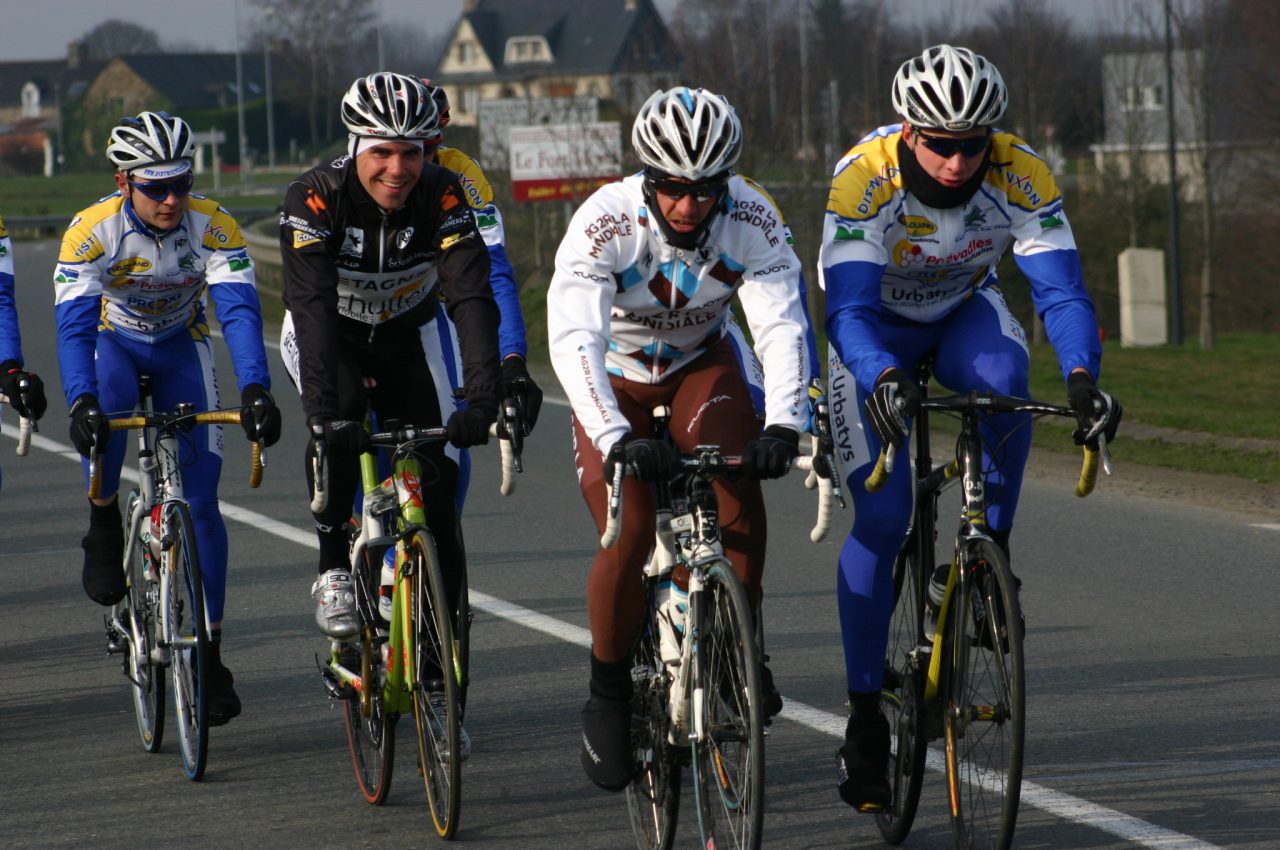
(479, 195)
(886, 255)
(10, 338)
(114, 275)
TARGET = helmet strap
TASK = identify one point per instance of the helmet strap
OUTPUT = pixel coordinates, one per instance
(684, 241)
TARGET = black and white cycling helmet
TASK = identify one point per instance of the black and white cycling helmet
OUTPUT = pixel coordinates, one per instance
(390, 106)
(154, 145)
(949, 88)
(689, 133)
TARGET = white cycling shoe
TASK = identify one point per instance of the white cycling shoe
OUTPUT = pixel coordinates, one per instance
(335, 604)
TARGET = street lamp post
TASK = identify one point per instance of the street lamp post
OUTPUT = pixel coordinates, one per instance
(244, 175)
(271, 121)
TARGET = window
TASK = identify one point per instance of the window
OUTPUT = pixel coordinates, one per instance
(1141, 98)
(527, 49)
(470, 100)
(466, 52)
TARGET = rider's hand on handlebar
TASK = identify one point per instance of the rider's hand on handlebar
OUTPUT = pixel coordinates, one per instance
(89, 426)
(894, 398)
(259, 415)
(518, 383)
(1096, 412)
(469, 427)
(771, 454)
(645, 458)
(342, 436)
(28, 401)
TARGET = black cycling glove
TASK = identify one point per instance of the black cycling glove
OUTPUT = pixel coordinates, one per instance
(88, 425)
(343, 436)
(894, 398)
(469, 427)
(259, 416)
(644, 457)
(771, 454)
(519, 384)
(11, 380)
(1096, 412)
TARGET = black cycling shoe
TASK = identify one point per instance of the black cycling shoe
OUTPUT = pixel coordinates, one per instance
(103, 574)
(771, 698)
(607, 755)
(862, 764)
(223, 703)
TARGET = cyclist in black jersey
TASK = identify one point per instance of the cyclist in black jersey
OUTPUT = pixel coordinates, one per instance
(373, 244)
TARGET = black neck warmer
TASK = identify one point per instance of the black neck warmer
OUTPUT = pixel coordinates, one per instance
(930, 191)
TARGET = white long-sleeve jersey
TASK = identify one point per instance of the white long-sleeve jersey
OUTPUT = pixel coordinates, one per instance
(624, 302)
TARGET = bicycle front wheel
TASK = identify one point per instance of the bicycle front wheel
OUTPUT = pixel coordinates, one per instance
(986, 706)
(728, 761)
(371, 729)
(146, 675)
(901, 696)
(653, 797)
(437, 711)
(185, 636)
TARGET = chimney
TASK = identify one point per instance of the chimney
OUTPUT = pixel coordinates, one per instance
(631, 5)
(468, 6)
(77, 53)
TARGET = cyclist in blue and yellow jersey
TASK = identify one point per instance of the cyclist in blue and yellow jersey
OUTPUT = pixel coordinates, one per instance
(24, 390)
(918, 216)
(131, 283)
(512, 344)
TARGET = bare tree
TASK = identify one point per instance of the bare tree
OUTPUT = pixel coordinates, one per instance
(119, 38)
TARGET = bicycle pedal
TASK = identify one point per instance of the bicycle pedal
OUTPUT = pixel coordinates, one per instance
(117, 644)
(333, 686)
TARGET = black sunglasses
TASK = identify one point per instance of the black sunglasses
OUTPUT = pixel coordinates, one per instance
(161, 190)
(675, 190)
(947, 147)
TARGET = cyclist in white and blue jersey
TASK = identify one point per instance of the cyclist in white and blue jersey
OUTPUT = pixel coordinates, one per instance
(918, 216)
(132, 278)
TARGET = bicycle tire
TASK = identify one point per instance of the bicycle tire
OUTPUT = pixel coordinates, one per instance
(902, 697)
(728, 765)
(986, 706)
(653, 797)
(438, 732)
(146, 676)
(462, 634)
(187, 638)
(371, 729)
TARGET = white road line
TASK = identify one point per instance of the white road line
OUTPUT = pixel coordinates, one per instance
(1269, 526)
(1065, 806)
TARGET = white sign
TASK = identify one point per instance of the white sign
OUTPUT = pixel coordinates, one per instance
(562, 161)
(499, 115)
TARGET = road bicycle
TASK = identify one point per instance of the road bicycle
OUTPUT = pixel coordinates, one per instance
(415, 660)
(696, 695)
(161, 622)
(963, 679)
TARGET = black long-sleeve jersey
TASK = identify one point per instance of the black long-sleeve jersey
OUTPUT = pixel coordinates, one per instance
(355, 271)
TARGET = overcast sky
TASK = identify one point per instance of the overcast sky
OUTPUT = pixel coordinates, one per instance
(40, 29)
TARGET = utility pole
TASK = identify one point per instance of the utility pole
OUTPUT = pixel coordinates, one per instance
(271, 119)
(1175, 271)
(244, 147)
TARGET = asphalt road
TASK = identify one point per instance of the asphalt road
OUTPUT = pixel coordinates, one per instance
(1153, 676)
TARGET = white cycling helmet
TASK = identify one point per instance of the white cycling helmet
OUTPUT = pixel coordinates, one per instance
(153, 145)
(689, 133)
(949, 88)
(390, 106)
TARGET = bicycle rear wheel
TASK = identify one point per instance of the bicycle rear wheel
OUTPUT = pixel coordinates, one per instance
(371, 729)
(186, 637)
(985, 703)
(146, 675)
(437, 711)
(653, 797)
(728, 764)
(901, 697)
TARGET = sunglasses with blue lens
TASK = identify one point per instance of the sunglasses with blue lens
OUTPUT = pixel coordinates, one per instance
(947, 147)
(160, 190)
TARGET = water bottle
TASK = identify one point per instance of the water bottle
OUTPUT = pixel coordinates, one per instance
(937, 592)
(387, 583)
(673, 603)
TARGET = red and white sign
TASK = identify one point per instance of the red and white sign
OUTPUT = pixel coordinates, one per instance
(552, 162)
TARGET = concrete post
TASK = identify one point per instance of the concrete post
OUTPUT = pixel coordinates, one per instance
(1143, 313)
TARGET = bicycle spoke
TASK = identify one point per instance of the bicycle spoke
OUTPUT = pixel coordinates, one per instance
(729, 762)
(985, 712)
(653, 797)
(187, 639)
(141, 610)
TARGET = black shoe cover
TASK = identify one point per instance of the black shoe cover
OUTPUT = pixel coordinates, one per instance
(863, 762)
(103, 575)
(607, 755)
